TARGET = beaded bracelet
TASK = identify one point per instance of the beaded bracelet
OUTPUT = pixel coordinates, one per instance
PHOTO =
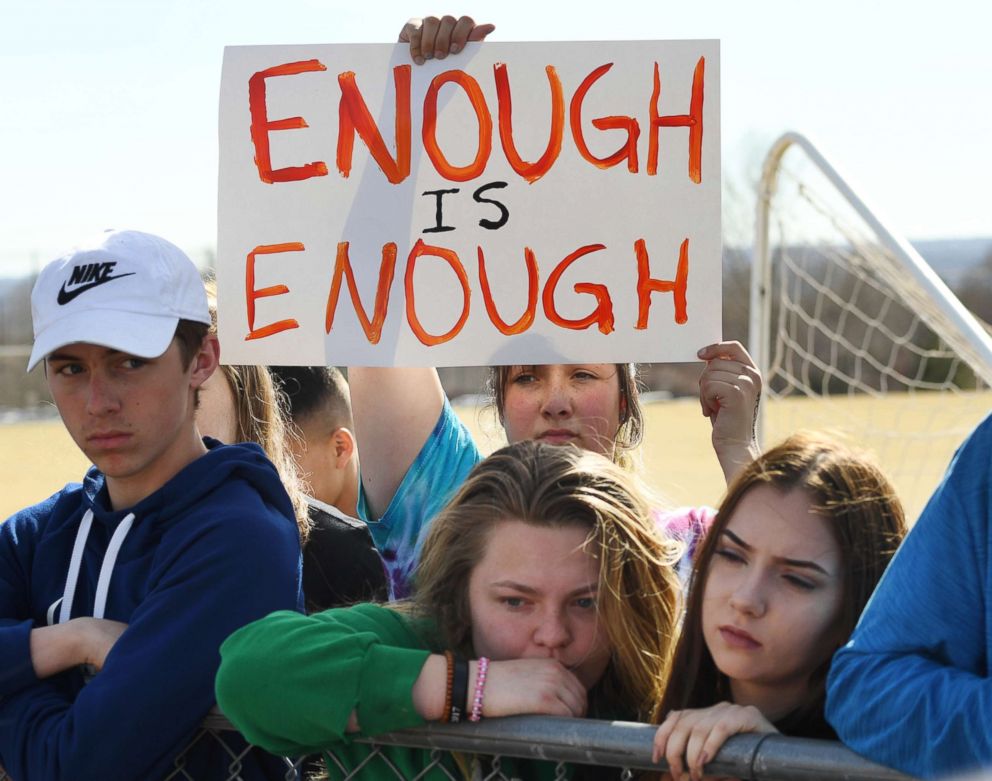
(449, 658)
(480, 688)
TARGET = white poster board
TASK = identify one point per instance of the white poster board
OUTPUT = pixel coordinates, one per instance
(517, 203)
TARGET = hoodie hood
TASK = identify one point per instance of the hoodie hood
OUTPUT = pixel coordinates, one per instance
(187, 489)
(151, 520)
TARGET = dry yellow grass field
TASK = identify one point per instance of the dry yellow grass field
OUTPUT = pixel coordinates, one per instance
(37, 458)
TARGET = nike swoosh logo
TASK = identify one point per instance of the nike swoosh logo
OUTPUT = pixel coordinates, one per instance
(66, 296)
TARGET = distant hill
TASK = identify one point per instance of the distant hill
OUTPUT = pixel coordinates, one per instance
(952, 258)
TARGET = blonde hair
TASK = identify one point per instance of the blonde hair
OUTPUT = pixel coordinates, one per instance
(563, 486)
(260, 410)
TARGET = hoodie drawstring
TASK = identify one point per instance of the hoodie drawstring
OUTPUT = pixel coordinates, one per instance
(106, 569)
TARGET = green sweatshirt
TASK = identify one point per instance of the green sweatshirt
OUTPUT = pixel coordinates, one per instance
(289, 682)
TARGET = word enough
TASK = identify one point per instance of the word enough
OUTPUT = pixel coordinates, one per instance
(601, 316)
(354, 117)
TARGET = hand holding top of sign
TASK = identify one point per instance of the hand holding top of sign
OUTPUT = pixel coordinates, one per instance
(729, 389)
(432, 37)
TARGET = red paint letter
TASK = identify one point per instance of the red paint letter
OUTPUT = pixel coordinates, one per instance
(693, 120)
(260, 125)
(411, 310)
(629, 148)
(474, 92)
(602, 315)
(251, 294)
(342, 266)
(527, 318)
(354, 115)
(646, 285)
(529, 171)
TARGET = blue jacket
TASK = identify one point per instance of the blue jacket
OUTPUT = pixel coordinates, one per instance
(213, 549)
(912, 689)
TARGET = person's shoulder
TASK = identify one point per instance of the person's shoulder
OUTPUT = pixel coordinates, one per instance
(57, 508)
(328, 518)
(684, 522)
(229, 483)
(981, 437)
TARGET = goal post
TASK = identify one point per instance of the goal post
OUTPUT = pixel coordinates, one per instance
(852, 329)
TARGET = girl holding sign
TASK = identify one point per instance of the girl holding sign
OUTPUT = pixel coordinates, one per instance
(415, 452)
(798, 545)
(544, 587)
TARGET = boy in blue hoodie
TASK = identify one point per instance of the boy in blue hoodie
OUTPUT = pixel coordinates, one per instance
(116, 594)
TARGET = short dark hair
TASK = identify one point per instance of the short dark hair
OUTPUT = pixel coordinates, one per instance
(190, 335)
(315, 389)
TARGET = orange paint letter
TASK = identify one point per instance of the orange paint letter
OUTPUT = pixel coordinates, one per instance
(646, 285)
(261, 125)
(342, 266)
(252, 294)
(529, 171)
(354, 115)
(478, 101)
(629, 149)
(693, 120)
(411, 310)
(602, 315)
(527, 318)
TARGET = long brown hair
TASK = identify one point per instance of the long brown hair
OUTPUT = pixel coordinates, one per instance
(563, 486)
(863, 513)
(631, 431)
(261, 412)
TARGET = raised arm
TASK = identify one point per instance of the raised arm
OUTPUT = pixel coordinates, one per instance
(729, 388)
(912, 688)
(395, 410)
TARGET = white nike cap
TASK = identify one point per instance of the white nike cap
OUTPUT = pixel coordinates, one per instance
(125, 290)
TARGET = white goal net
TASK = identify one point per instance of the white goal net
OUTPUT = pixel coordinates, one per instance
(854, 333)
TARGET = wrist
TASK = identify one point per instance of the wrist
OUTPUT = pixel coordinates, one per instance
(56, 648)
(478, 688)
(429, 688)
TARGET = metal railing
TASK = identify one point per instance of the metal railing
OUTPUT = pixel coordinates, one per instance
(623, 745)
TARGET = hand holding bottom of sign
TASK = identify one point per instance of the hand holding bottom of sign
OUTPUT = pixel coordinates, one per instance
(729, 389)
(433, 37)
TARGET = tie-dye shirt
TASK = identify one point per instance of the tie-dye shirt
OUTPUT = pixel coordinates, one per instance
(436, 473)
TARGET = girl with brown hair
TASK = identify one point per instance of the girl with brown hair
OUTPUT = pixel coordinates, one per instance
(544, 587)
(796, 549)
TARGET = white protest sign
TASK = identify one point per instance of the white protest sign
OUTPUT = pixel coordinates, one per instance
(517, 203)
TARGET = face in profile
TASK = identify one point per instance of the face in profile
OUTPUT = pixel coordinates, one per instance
(563, 403)
(772, 598)
(533, 595)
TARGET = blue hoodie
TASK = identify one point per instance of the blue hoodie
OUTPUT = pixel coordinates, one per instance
(211, 550)
(913, 687)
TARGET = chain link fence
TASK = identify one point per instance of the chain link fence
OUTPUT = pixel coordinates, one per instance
(489, 750)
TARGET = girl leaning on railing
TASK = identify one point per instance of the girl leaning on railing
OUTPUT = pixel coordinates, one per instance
(544, 588)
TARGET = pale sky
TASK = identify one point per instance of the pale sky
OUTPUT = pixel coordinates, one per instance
(109, 107)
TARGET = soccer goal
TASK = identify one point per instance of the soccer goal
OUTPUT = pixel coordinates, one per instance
(854, 332)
